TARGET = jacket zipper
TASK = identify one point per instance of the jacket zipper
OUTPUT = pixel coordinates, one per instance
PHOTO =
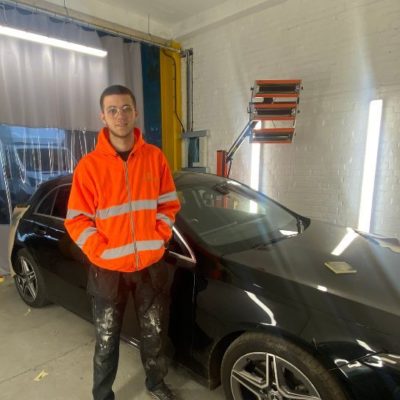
(131, 213)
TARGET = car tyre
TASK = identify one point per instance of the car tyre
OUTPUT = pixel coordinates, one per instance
(29, 280)
(262, 366)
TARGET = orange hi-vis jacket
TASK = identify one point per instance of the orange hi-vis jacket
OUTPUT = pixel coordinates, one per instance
(120, 213)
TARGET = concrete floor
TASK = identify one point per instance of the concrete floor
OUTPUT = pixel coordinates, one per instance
(46, 354)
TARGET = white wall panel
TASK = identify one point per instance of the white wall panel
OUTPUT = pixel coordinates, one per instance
(347, 53)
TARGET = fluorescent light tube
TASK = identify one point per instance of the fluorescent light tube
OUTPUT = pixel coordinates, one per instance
(371, 155)
(33, 37)
(255, 166)
(255, 173)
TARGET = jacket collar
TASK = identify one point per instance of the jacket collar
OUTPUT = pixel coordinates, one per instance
(105, 147)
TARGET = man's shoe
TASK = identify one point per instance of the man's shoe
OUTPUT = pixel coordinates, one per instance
(162, 392)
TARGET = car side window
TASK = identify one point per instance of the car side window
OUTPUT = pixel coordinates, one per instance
(61, 202)
(46, 205)
(55, 203)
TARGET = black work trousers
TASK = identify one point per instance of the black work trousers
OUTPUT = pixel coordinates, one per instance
(150, 291)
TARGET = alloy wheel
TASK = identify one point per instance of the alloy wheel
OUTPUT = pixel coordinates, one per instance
(26, 280)
(265, 376)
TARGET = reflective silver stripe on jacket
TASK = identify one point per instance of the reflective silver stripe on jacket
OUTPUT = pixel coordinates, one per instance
(167, 197)
(75, 213)
(128, 249)
(126, 208)
(164, 218)
(85, 235)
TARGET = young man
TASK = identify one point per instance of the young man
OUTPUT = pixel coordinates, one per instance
(120, 213)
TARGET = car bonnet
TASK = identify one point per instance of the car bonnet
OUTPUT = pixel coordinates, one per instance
(296, 270)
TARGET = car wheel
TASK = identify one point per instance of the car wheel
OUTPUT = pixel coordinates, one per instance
(29, 281)
(264, 367)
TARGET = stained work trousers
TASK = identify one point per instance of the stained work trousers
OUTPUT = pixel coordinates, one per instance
(150, 291)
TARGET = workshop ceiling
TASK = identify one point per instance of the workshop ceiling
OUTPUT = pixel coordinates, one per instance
(170, 19)
(168, 12)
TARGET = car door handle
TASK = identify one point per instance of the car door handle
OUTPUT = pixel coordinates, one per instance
(40, 230)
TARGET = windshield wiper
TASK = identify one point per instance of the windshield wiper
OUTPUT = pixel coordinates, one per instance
(263, 245)
(221, 188)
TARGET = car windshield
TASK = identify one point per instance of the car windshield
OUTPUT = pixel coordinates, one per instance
(223, 212)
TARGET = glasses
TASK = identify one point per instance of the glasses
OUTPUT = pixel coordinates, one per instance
(124, 110)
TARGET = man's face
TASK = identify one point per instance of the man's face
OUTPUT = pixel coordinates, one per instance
(119, 114)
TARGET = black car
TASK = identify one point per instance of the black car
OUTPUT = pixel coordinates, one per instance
(269, 303)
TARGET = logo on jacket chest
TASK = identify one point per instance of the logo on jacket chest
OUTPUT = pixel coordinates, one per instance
(148, 177)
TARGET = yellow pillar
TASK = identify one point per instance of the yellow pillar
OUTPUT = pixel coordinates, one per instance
(171, 106)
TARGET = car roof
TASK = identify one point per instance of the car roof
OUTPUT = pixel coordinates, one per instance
(183, 179)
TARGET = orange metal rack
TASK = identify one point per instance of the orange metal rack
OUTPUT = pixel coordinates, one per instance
(273, 108)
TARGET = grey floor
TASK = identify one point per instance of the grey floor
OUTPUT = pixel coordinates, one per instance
(46, 354)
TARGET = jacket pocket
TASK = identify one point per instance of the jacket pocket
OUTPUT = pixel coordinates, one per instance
(103, 283)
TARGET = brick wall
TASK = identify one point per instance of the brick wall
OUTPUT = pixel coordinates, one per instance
(347, 53)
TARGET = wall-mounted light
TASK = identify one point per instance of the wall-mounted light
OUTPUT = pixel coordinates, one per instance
(255, 166)
(255, 169)
(33, 37)
(255, 173)
(371, 156)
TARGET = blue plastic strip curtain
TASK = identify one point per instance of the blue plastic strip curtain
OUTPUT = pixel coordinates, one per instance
(151, 94)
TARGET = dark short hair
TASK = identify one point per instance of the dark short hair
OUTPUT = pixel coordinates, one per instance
(116, 89)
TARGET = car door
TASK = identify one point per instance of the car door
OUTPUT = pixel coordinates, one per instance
(180, 261)
(64, 265)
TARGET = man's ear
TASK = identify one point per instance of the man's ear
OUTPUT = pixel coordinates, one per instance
(102, 118)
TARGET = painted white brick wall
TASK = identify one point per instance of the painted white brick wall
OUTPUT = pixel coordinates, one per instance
(347, 52)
